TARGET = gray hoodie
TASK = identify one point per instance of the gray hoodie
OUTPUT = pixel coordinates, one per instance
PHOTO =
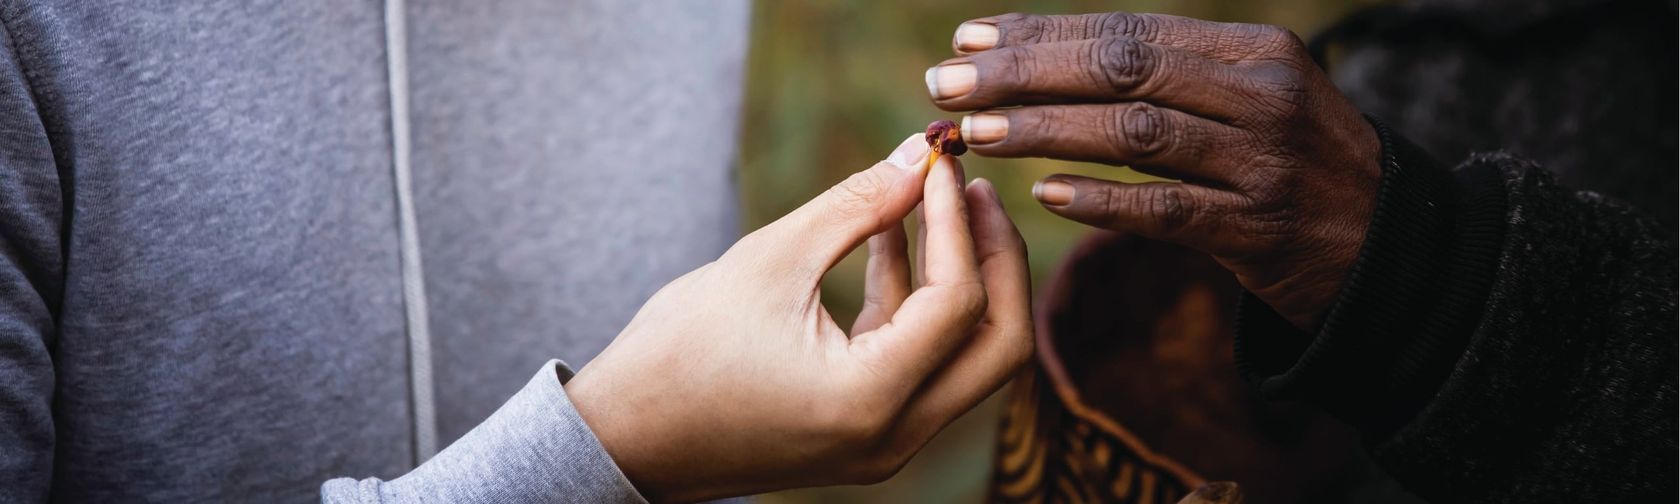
(247, 247)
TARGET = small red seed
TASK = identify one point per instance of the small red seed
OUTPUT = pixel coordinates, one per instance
(945, 137)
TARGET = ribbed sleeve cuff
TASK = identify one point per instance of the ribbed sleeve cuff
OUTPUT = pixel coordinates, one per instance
(534, 449)
(1408, 306)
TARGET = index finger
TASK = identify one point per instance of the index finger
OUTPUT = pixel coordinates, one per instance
(1103, 70)
(932, 322)
(830, 226)
(1224, 41)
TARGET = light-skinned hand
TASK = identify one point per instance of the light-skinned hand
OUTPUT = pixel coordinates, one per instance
(734, 379)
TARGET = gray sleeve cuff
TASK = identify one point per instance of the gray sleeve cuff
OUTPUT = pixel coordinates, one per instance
(534, 449)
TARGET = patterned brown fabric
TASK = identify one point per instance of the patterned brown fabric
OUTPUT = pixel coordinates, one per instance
(1136, 399)
(1048, 453)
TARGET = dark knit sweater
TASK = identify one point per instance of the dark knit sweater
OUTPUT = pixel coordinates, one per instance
(1504, 338)
(1500, 339)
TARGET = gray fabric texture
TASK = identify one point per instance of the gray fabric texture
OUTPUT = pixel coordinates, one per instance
(200, 296)
(530, 450)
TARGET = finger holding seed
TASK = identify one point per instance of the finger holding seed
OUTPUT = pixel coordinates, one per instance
(944, 137)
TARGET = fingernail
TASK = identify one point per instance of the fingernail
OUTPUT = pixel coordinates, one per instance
(984, 128)
(911, 154)
(973, 36)
(991, 190)
(949, 81)
(1053, 192)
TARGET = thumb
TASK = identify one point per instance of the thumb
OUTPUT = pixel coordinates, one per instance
(814, 237)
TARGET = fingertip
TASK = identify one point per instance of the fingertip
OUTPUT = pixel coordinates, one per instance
(911, 154)
(1071, 197)
(982, 208)
(993, 230)
(908, 185)
(1054, 192)
(944, 188)
(986, 188)
(982, 198)
(945, 175)
(977, 187)
(974, 36)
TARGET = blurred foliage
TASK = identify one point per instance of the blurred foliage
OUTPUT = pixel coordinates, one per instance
(834, 85)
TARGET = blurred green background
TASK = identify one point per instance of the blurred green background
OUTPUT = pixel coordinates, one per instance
(834, 85)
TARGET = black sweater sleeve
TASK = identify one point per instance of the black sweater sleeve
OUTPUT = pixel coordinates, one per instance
(1500, 338)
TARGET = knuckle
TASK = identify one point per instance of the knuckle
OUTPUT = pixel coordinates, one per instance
(748, 255)
(1107, 202)
(753, 241)
(1018, 28)
(867, 428)
(880, 468)
(857, 195)
(970, 300)
(1279, 91)
(1020, 67)
(1282, 39)
(1279, 78)
(891, 465)
(1270, 230)
(1035, 127)
(682, 285)
(1027, 347)
(1265, 224)
(1273, 39)
(1168, 207)
(1019, 344)
(1123, 62)
(1114, 209)
(1266, 175)
(1140, 130)
(964, 300)
(1119, 23)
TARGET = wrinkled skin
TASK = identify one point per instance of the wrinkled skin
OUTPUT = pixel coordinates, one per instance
(734, 379)
(1279, 171)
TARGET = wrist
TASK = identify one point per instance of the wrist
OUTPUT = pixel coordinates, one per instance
(1409, 303)
(1304, 280)
(616, 432)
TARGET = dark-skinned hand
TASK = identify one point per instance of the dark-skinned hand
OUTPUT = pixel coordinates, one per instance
(1278, 169)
